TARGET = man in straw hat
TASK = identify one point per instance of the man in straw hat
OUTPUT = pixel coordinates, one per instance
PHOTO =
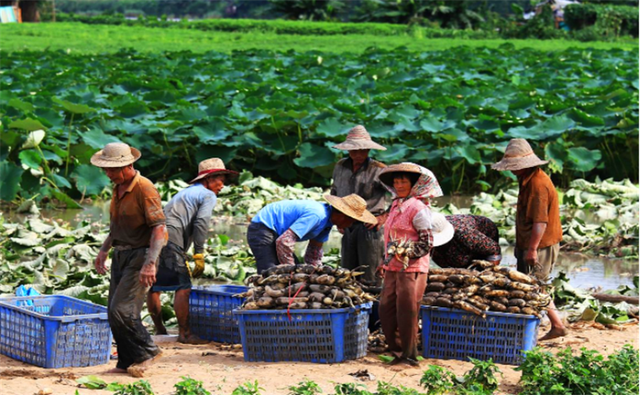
(362, 244)
(276, 228)
(188, 215)
(137, 234)
(538, 228)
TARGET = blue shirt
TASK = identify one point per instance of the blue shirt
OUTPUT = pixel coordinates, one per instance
(188, 215)
(308, 219)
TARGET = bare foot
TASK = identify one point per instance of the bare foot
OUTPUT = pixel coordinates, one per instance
(138, 369)
(555, 333)
(116, 370)
(411, 362)
(161, 331)
(192, 339)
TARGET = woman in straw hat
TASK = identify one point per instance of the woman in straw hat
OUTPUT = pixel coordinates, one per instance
(409, 236)
(137, 233)
(276, 228)
(538, 227)
(362, 244)
(188, 216)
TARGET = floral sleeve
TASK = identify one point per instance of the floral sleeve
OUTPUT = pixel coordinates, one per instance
(313, 255)
(285, 246)
(422, 224)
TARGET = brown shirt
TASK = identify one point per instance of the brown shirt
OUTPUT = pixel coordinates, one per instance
(135, 214)
(364, 183)
(537, 202)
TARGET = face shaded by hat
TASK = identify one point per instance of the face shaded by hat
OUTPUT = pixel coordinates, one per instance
(352, 206)
(115, 155)
(426, 186)
(518, 156)
(212, 166)
(357, 139)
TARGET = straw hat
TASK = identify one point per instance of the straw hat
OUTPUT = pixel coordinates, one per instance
(353, 206)
(441, 229)
(518, 156)
(211, 166)
(386, 175)
(359, 138)
(115, 155)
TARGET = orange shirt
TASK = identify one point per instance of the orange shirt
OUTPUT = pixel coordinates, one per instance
(133, 215)
(537, 202)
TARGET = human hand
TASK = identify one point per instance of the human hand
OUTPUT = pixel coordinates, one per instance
(380, 271)
(100, 262)
(148, 274)
(531, 257)
(198, 260)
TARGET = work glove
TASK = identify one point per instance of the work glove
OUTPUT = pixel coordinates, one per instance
(198, 260)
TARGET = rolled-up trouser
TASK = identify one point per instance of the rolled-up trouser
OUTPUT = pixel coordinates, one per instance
(399, 310)
(547, 258)
(126, 297)
(362, 246)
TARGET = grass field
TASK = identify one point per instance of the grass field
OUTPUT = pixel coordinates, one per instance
(82, 38)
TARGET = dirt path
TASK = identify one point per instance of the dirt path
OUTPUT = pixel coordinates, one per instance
(222, 369)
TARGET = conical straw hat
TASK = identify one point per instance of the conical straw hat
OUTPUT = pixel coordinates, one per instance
(210, 166)
(115, 155)
(359, 138)
(441, 229)
(353, 206)
(518, 156)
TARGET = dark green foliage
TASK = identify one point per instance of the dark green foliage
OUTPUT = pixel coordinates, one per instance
(248, 388)
(307, 387)
(607, 21)
(189, 386)
(437, 380)
(481, 378)
(141, 387)
(586, 373)
(446, 14)
(308, 10)
(277, 114)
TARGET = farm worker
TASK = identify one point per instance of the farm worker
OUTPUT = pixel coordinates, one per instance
(409, 237)
(188, 216)
(538, 228)
(362, 244)
(474, 237)
(276, 228)
(137, 233)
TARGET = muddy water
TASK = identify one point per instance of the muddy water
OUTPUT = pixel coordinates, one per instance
(584, 271)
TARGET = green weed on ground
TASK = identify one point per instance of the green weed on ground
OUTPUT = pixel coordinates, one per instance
(81, 38)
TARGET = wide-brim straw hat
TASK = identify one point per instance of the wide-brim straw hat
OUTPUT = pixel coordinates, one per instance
(518, 156)
(210, 167)
(358, 138)
(115, 155)
(441, 229)
(353, 206)
(386, 175)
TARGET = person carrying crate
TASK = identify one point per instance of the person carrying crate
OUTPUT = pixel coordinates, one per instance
(188, 216)
(538, 227)
(137, 233)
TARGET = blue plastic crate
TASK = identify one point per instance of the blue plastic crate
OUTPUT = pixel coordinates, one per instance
(54, 331)
(211, 312)
(458, 334)
(321, 336)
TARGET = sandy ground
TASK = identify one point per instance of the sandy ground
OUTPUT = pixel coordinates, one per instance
(222, 368)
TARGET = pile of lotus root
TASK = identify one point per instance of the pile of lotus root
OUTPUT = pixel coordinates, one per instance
(304, 287)
(496, 288)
